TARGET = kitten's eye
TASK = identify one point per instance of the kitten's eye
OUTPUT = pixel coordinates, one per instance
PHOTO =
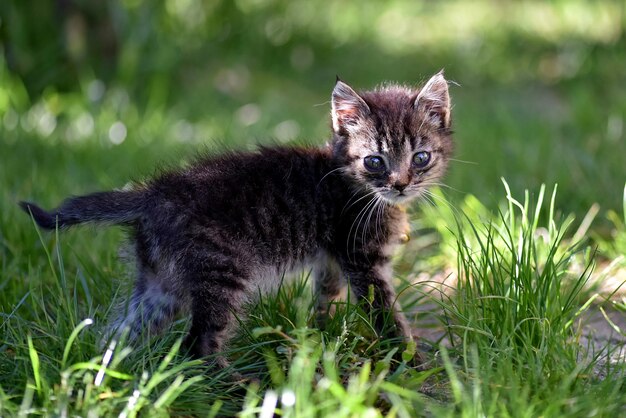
(373, 163)
(421, 159)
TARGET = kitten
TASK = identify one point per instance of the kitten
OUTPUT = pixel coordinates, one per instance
(207, 237)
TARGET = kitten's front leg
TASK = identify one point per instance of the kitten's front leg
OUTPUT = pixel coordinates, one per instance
(328, 284)
(378, 276)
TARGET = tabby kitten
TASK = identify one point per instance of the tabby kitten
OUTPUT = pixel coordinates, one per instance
(207, 237)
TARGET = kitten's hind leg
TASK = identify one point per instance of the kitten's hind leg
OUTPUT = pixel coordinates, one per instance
(212, 322)
(218, 290)
(152, 307)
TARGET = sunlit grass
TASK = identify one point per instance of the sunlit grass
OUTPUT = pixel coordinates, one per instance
(512, 320)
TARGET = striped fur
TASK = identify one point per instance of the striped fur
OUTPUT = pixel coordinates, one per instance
(209, 236)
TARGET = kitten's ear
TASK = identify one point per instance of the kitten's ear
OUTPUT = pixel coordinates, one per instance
(434, 100)
(347, 107)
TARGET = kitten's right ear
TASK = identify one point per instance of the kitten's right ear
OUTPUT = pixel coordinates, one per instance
(347, 107)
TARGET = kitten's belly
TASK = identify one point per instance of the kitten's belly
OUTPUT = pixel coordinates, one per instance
(268, 278)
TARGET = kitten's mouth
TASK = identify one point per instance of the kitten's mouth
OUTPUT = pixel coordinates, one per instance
(396, 197)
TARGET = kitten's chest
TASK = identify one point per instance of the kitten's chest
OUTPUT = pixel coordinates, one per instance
(399, 231)
(373, 226)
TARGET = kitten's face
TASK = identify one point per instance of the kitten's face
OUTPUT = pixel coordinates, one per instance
(394, 141)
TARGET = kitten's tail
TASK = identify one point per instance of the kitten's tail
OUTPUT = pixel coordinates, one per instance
(117, 207)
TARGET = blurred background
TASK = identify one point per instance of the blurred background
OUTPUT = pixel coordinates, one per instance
(94, 93)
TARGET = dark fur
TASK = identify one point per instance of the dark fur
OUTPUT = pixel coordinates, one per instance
(208, 236)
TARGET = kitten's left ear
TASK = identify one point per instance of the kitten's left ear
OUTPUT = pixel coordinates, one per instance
(434, 100)
(348, 108)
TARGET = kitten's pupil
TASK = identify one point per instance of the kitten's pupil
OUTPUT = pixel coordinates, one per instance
(374, 163)
(421, 159)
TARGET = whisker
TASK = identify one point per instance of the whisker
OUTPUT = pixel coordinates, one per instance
(427, 184)
(357, 201)
(326, 103)
(358, 219)
(379, 216)
(352, 226)
(367, 226)
(442, 200)
(463, 161)
(369, 217)
(328, 174)
(433, 199)
(428, 200)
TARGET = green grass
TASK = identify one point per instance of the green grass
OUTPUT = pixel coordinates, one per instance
(512, 320)
(503, 279)
(515, 309)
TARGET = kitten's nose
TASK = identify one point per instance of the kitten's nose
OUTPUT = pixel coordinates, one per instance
(400, 186)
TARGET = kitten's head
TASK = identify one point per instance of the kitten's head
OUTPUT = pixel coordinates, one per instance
(394, 140)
